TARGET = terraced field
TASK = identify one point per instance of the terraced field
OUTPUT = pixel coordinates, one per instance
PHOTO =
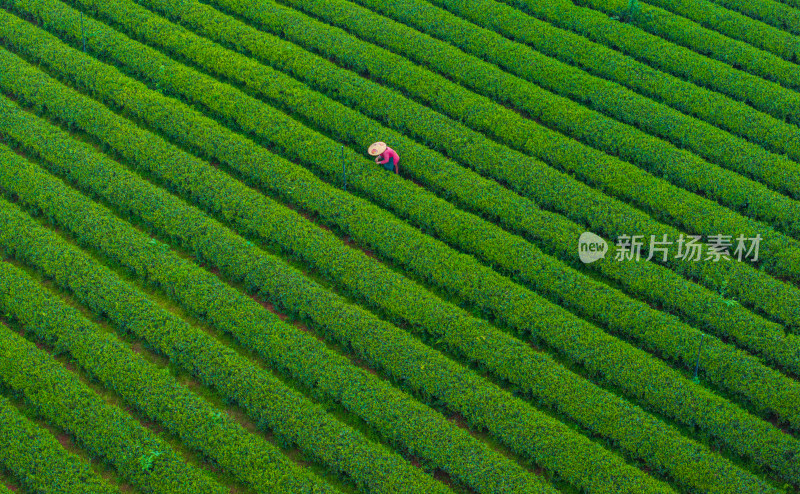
(208, 286)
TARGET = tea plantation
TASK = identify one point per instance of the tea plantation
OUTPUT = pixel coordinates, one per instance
(585, 277)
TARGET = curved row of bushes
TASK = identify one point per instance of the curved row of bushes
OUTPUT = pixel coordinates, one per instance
(553, 189)
(732, 25)
(37, 460)
(58, 396)
(717, 109)
(766, 339)
(567, 335)
(768, 97)
(791, 3)
(400, 419)
(199, 425)
(483, 405)
(534, 374)
(287, 414)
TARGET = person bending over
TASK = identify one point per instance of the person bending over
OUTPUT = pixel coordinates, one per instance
(384, 155)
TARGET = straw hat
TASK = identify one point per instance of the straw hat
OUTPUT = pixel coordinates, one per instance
(376, 148)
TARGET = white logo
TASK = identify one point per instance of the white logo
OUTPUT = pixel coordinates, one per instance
(591, 248)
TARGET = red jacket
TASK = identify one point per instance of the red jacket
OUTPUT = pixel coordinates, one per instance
(388, 154)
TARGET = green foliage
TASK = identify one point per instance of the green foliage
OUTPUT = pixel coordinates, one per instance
(630, 13)
(62, 400)
(155, 393)
(313, 105)
(509, 359)
(269, 402)
(614, 176)
(601, 213)
(147, 460)
(360, 332)
(518, 257)
(783, 17)
(266, 281)
(719, 45)
(249, 458)
(551, 189)
(765, 96)
(399, 418)
(563, 340)
(38, 461)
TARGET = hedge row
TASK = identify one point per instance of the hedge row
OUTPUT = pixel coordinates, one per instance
(576, 293)
(118, 302)
(62, 400)
(521, 216)
(736, 26)
(765, 338)
(483, 405)
(566, 335)
(129, 92)
(686, 33)
(290, 416)
(37, 460)
(553, 190)
(485, 198)
(532, 373)
(773, 13)
(766, 96)
(200, 426)
(400, 419)
(693, 101)
(614, 137)
(498, 298)
(619, 178)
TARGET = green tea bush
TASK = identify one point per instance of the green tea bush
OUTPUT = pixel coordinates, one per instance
(782, 16)
(554, 231)
(358, 331)
(59, 397)
(611, 65)
(531, 372)
(614, 176)
(37, 460)
(682, 62)
(553, 190)
(635, 145)
(270, 403)
(251, 459)
(527, 320)
(400, 419)
(733, 25)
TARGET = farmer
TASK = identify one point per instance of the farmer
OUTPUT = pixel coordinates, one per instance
(385, 155)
